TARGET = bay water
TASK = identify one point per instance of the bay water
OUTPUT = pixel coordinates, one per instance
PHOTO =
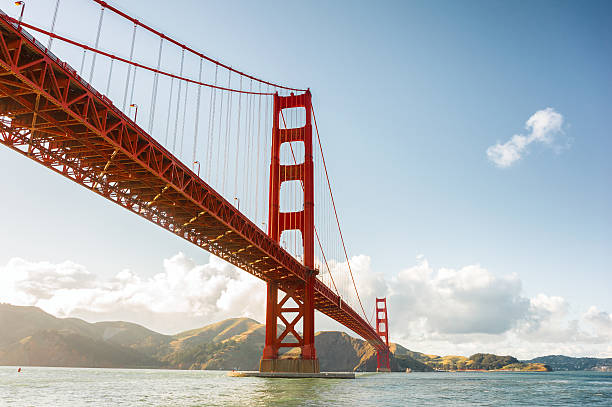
(51, 386)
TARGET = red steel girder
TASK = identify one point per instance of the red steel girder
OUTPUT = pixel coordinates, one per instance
(61, 122)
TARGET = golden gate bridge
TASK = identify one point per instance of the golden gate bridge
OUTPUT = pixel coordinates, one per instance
(189, 143)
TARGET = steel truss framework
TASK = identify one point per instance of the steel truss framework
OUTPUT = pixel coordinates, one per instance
(54, 117)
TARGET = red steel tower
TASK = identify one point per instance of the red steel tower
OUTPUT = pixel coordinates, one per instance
(382, 329)
(301, 294)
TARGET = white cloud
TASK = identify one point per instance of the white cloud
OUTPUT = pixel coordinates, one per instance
(543, 126)
(601, 322)
(183, 296)
(444, 311)
(468, 300)
(470, 309)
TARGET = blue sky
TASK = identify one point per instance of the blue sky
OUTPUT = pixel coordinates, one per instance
(409, 95)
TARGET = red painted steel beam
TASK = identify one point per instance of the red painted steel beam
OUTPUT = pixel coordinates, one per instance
(58, 120)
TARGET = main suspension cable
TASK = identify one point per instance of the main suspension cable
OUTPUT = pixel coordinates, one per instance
(185, 47)
(335, 212)
(109, 55)
(315, 228)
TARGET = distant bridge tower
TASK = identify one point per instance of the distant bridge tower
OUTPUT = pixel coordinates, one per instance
(302, 294)
(382, 329)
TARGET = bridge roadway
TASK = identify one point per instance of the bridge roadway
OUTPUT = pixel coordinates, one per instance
(58, 120)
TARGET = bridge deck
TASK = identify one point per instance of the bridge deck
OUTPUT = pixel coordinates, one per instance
(58, 120)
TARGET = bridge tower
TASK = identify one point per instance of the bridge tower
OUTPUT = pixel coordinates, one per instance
(382, 329)
(302, 294)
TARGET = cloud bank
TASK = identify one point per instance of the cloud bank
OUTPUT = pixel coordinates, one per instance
(470, 309)
(183, 296)
(543, 126)
(444, 311)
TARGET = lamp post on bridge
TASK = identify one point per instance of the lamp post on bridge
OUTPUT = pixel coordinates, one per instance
(194, 163)
(237, 201)
(22, 4)
(134, 105)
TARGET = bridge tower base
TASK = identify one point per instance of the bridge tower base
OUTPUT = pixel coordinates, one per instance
(289, 365)
(382, 329)
(297, 305)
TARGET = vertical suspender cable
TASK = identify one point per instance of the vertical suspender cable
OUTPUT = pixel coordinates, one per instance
(257, 164)
(227, 130)
(248, 140)
(238, 143)
(336, 213)
(178, 102)
(169, 111)
(211, 125)
(278, 176)
(127, 79)
(110, 74)
(183, 125)
(253, 141)
(133, 85)
(53, 24)
(219, 145)
(82, 63)
(93, 61)
(197, 118)
(155, 83)
(266, 135)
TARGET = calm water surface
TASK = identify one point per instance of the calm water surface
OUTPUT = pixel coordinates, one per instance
(39, 386)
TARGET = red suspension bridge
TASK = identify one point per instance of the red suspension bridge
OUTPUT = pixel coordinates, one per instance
(189, 144)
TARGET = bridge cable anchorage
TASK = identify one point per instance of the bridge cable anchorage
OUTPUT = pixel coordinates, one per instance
(335, 212)
(93, 61)
(129, 71)
(315, 229)
(118, 58)
(53, 20)
(199, 54)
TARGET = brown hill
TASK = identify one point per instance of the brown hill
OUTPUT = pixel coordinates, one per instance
(64, 348)
(339, 352)
(30, 336)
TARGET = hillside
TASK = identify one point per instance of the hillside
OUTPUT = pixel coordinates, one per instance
(30, 336)
(478, 361)
(235, 343)
(560, 362)
(339, 352)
